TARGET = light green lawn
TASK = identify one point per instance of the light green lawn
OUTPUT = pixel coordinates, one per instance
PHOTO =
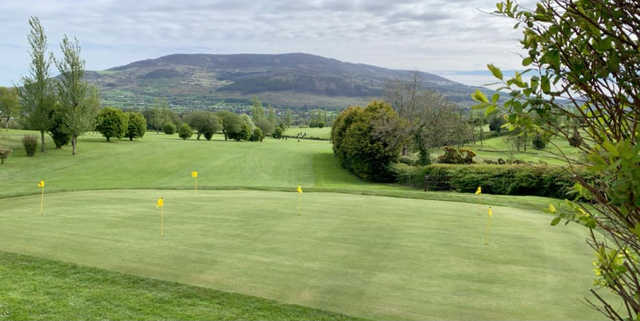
(160, 160)
(368, 256)
(324, 133)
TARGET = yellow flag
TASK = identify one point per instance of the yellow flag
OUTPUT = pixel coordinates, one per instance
(41, 184)
(194, 174)
(160, 203)
(552, 209)
(479, 190)
(300, 189)
(490, 212)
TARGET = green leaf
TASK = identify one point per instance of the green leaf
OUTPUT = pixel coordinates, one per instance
(480, 96)
(495, 71)
(527, 61)
(480, 106)
(495, 97)
(555, 221)
(545, 85)
(490, 110)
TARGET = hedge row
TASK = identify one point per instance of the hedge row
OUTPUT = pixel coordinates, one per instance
(495, 179)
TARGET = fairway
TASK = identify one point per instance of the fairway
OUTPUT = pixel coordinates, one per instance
(366, 256)
(166, 161)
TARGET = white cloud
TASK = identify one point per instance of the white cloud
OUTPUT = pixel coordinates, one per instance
(426, 35)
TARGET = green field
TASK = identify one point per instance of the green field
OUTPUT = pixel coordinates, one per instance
(322, 133)
(412, 256)
(500, 147)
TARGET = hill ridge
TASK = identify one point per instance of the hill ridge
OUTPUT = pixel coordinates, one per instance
(201, 80)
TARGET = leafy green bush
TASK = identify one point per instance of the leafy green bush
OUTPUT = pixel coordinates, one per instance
(137, 126)
(231, 124)
(204, 123)
(30, 144)
(278, 132)
(169, 128)
(365, 140)
(257, 135)
(538, 142)
(495, 179)
(456, 156)
(495, 124)
(4, 154)
(185, 132)
(112, 122)
(59, 131)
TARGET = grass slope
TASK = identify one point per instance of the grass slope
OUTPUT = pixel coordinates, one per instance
(167, 161)
(369, 256)
(40, 289)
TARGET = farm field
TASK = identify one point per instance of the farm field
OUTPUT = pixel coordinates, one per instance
(376, 251)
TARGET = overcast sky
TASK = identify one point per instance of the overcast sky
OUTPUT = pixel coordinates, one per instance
(454, 38)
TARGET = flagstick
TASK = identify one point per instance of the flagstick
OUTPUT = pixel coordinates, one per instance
(196, 184)
(162, 221)
(486, 230)
(42, 202)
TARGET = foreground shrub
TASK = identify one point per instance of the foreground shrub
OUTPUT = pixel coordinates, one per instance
(185, 131)
(169, 128)
(549, 181)
(365, 140)
(30, 144)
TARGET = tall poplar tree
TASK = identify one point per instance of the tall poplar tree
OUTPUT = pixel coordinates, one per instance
(79, 101)
(37, 93)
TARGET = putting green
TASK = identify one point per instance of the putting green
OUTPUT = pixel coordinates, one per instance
(368, 256)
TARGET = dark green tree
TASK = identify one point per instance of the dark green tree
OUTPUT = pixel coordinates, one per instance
(9, 104)
(495, 124)
(231, 124)
(365, 140)
(257, 135)
(204, 123)
(37, 92)
(185, 132)
(79, 102)
(112, 122)
(169, 128)
(58, 130)
(137, 125)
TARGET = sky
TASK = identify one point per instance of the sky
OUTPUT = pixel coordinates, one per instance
(452, 38)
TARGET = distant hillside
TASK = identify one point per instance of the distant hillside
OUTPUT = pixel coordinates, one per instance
(287, 80)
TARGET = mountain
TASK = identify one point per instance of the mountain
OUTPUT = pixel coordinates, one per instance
(287, 80)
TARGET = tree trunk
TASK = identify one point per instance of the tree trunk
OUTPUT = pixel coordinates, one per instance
(198, 137)
(130, 138)
(404, 150)
(108, 139)
(42, 141)
(74, 142)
